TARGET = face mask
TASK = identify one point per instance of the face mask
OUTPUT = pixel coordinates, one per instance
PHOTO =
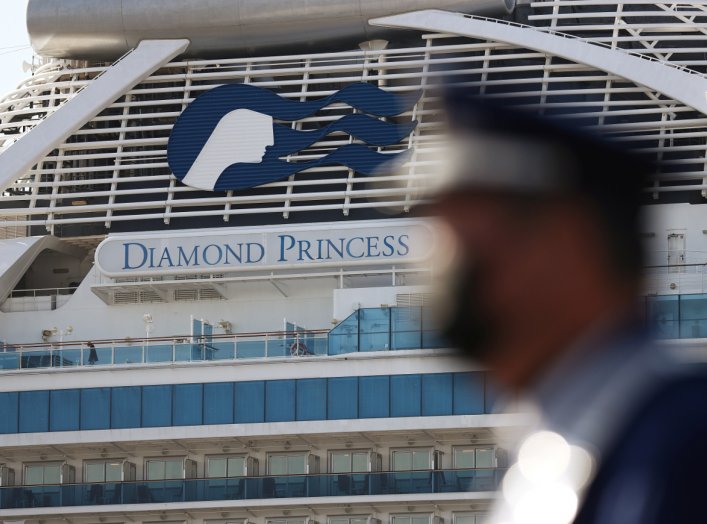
(465, 324)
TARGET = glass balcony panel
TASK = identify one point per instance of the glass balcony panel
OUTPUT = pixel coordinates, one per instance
(159, 353)
(374, 329)
(40, 359)
(128, 355)
(9, 360)
(280, 346)
(406, 319)
(185, 352)
(406, 340)
(344, 337)
(221, 351)
(343, 343)
(67, 357)
(432, 340)
(248, 488)
(250, 348)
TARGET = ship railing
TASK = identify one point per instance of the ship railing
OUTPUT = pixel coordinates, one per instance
(43, 299)
(588, 41)
(253, 488)
(176, 349)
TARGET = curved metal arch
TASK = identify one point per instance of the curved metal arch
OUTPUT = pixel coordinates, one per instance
(680, 84)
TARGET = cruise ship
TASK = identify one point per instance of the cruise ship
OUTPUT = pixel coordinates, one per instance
(214, 287)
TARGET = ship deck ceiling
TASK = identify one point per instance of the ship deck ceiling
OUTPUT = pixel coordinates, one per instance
(320, 442)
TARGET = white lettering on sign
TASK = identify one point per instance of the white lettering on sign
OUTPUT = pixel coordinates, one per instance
(208, 251)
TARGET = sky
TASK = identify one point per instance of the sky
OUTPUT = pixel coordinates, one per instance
(14, 44)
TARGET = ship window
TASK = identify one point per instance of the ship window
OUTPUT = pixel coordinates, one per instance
(311, 399)
(412, 459)
(342, 398)
(218, 403)
(279, 401)
(287, 464)
(250, 402)
(188, 404)
(468, 393)
(156, 406)
(410, 519)
(469, 518)
(348, 462)
(34, 411)
(474, 457)
(405, 395)
(36, 474)
(164, 469)
(348, 520)
(104, 471)
(301, 520)
(437, 394)
(374, 397)
(223, 467)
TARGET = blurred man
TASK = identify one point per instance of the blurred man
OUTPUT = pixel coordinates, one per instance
(542, 288)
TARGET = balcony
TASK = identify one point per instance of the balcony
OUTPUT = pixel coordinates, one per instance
(366, 330)
(251, 488)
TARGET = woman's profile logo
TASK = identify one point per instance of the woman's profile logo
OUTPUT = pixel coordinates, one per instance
(227, 139)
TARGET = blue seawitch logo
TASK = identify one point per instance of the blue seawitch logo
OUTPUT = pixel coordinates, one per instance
(228, 138)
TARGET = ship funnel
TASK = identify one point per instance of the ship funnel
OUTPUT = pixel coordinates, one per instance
(107, 29)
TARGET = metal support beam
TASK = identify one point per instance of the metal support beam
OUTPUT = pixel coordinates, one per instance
(85, 105)
(679, 83)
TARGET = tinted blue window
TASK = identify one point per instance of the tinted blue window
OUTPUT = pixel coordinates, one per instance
(218, 403)
(280, 401)
(492, 393)
(125, 407)
(311, 399)
(187, 404)
(468, 393)
(374, 397)
(34, 411)
(9, 412)
(437, 394)
(342, 401)
(95, 408)
(405, 394)
(64, 410)
(156, 406)
(250, 402)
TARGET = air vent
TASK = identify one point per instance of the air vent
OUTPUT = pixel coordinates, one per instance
(413, 299)
(190, 295)
(136, 297)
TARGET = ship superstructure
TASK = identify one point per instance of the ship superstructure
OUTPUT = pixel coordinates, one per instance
(214, 301)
